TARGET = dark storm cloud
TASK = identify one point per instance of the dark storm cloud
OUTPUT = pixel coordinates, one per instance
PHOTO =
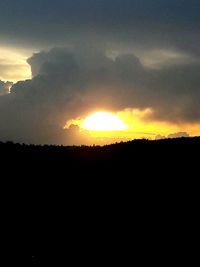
(156, 23)
(69, 83)
(66, 84)
(176, 92)
(85, 75)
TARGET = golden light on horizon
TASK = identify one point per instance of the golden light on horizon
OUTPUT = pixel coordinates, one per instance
(128, 124)
(103, 121)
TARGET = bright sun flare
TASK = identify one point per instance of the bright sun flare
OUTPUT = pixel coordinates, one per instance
(103, 121)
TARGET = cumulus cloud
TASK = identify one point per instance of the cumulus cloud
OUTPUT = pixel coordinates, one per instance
(70, 82)
(5, 87)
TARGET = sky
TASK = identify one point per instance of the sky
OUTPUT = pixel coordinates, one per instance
(62, 60)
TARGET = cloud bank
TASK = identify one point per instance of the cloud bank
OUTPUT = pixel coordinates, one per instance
(143, 23)
(71, 82)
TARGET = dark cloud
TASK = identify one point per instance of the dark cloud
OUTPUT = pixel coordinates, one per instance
(5, 87)
(144, 23)
(69, 83)
(176, 92)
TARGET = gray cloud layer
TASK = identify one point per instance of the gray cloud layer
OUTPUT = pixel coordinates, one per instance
(146, 23)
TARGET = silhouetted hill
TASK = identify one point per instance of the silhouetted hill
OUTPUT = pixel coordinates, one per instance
(94, 205)
(142, 157)
(134, 161)
(123, 150)
(121, 203)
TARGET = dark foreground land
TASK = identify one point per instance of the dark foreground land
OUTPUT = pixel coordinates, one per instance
(113, 205)
(135, 161)
(136, 151)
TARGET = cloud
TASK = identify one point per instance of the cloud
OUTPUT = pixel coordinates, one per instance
(174, 135)
(5, 87)
(177, 135)
(162, 58)
(71, 82)
(136, 54)
(144, 23)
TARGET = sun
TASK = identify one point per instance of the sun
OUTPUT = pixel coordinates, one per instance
(103, 121)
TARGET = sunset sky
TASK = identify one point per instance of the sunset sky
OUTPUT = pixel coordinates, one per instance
(97, 72)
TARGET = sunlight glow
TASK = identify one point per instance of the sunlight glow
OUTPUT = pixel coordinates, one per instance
(103, 121)
(13, 65)
(131, 123)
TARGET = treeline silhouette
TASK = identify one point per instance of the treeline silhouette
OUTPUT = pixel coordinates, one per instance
(140, 151)
(133, 161)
